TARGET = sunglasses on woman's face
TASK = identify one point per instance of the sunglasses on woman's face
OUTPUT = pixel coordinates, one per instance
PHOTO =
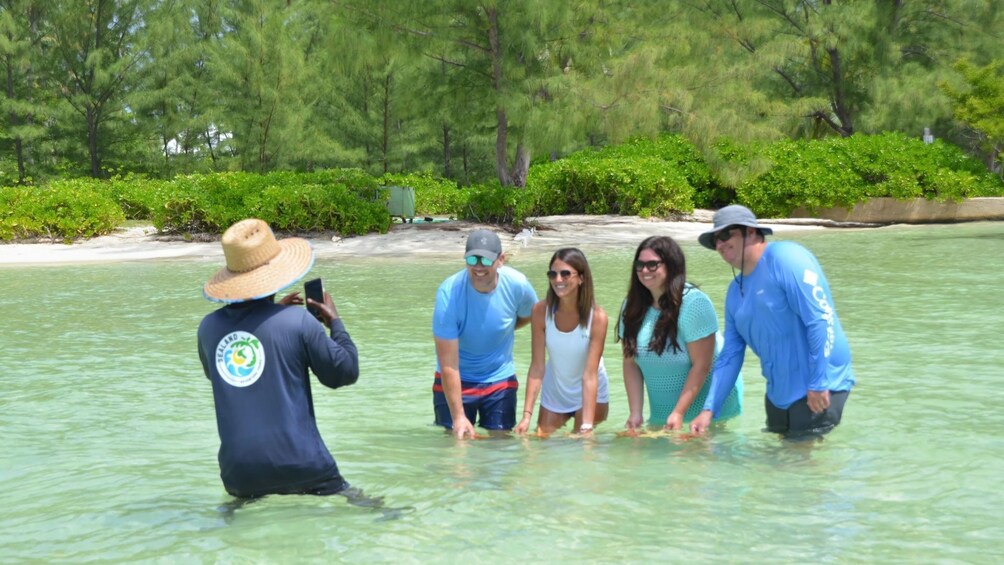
(473, 260)
(649, 266)
(564, 274)
(725, 234)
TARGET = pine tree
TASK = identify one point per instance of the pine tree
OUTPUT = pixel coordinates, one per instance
(24, 102)
(99, 49)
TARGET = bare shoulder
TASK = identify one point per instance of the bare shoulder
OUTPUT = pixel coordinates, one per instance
(599, 315)
(538, 312)
(600, 323)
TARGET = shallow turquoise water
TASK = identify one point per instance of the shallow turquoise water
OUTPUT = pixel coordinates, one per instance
(109, 439)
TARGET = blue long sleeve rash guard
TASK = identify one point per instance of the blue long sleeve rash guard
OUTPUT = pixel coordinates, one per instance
(784, 311)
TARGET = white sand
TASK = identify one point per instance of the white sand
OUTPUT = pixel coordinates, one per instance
(447, 239)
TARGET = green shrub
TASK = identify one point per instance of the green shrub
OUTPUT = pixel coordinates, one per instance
(64, 210)
(356, 181)
(587, 183)
(813, 175)
(846, 171)
(433, 196)
(493, 203)
(184, 207)
(315, 207)
(340, 200)
(136, 195)
(678, 152)
(641, 177)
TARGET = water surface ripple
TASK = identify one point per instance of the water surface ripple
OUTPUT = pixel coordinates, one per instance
(109, 449)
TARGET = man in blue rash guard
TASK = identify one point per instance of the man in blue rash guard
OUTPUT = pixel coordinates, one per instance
(258, 355)
(474, 321)
(780, 305)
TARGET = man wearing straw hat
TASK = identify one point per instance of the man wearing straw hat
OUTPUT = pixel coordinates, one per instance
(781, 306)
(258, 355)
(477, 313)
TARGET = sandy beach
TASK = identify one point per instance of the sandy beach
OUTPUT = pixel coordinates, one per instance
(142, 243)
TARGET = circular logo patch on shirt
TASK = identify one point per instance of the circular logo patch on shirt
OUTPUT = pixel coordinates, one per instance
(240, 359)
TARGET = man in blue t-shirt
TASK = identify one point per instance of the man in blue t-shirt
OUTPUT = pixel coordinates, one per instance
(476, 315)
(780, 305)
(258, 355)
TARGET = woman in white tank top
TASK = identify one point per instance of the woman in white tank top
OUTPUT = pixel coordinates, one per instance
(568, 329)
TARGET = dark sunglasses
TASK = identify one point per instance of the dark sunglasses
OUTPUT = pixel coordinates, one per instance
(564, 274)
(646, 265)
(725, 234)
(474, 259)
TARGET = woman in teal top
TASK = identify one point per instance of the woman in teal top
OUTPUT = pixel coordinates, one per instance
(669, 335)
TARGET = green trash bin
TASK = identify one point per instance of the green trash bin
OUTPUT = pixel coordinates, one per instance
(401, 202)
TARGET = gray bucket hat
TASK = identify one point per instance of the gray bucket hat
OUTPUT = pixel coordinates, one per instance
(734, 215)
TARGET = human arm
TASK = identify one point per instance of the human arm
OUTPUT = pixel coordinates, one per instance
(535, 375)
(701, 422)
(446, 323)
(527, 304)
(590, 374)
(448, 353)
(701, 351)
(634, 385)
(202, 355)
(818, 401)
(726, 368)
(522, 322)
(807, 293)
(327, 309)
(335, 361)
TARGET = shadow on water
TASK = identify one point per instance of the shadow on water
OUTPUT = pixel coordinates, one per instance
(982, 236)
(353, 495)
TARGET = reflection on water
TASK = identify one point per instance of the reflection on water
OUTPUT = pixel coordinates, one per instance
(110, 439)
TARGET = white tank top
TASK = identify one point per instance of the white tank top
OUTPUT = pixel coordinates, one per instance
(561, 391)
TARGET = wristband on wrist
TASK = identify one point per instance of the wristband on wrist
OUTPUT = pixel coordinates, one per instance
(530, 412)
(585, 428)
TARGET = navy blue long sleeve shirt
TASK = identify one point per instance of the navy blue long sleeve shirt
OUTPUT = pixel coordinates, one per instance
(258, 356)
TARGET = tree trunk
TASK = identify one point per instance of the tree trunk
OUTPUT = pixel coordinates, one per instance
(33, 18)
(467, 168)
(166, 142)
(502, 126)
(386, 120)
(92, 141)
(840, 108)
(521, 167)
(501, 159)
(446, 150)
(209, 144)
(18, 150)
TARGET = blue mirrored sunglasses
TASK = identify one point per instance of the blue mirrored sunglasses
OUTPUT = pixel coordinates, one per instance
(474, 259)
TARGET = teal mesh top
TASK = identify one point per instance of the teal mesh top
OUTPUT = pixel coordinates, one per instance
(666, 374)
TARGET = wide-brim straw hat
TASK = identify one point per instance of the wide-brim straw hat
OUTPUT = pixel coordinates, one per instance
(258, 265)
(733, 215)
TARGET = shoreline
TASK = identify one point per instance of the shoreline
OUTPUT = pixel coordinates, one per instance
(142, 243)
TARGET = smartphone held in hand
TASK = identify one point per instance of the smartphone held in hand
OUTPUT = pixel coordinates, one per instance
(314, 290)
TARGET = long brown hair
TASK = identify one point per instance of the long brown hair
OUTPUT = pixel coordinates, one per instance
(577, 260)
(639, 298)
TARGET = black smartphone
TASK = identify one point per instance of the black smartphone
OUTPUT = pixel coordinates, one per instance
(314, 289)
